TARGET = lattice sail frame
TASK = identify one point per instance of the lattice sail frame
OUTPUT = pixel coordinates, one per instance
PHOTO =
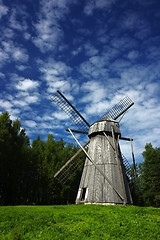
(127, 166)
(67, 107)
(119, 108)
(76, 164)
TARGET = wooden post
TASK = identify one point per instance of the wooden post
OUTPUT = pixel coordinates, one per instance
(117, 158)
(134, 164)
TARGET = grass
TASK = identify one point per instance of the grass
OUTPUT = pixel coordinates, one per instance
(79, 222)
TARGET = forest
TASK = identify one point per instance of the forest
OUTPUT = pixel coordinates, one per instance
(27, 170)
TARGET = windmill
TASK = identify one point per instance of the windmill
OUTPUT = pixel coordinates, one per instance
(104, 178)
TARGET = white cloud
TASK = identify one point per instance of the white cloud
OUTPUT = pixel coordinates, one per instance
(60, 115)
(56, 74)
(92, 5)
(54, 68)
(132, 55)
(3, 10)
(21, 67)
(12, 52)
(32, 99)
(90, 50)
(20, 103)
(77, 51)
(2, 75)
(124, 43)
(17, 18)
(3, 57)
(20, 55)
(30, 123)
(96, 91)
(8, 33)
(94, 68)
(48, 36)
(27, 84)
(5, 104)
(49, 31)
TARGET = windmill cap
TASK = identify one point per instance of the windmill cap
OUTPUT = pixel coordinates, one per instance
(107, 119)
(104, 125)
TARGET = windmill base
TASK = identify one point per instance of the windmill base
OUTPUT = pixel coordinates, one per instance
(106, 204)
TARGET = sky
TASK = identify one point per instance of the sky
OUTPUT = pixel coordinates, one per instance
(95, 52)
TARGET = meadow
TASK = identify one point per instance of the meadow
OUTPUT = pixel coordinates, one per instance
(79, 222)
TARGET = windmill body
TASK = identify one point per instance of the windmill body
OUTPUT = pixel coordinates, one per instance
(104, 178)
(94, 188)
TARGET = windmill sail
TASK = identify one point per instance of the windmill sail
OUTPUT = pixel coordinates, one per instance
(68, 108)
(119, 108)
(127, 166)
(71, 167)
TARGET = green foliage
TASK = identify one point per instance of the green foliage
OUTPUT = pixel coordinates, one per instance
(150, 176)
(14, 146)
(27, 172)
(135, 186)
(79, 222)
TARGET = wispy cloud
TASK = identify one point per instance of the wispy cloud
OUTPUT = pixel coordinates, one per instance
(3, 9)
(27, 84)
(92, 5)
(30, 123)
(10, 52)
(48, 28)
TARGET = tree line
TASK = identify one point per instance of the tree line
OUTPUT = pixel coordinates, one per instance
(27, 171)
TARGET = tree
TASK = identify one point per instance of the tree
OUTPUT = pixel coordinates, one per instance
(135, 186)
(150, 176)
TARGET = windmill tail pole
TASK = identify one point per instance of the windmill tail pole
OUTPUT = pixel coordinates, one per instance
(134, 164)
(105, 177)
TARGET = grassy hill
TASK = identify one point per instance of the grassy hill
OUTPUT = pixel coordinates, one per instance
(79, 222)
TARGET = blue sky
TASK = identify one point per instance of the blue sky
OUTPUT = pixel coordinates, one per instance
(94, 51)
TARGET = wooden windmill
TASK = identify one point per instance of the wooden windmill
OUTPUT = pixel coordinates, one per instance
(104, 178)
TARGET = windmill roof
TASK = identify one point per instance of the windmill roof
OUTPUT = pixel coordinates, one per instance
(104, 126)
(106, 119)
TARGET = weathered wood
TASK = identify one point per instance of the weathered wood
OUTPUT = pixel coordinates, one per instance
(99, 170)
(126, 139)
(134, 164)
(104, 179)
(77, 131)
(117, 157)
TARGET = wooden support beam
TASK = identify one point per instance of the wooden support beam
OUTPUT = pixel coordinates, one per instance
(77, 131)
(126, 139)
(134, 163)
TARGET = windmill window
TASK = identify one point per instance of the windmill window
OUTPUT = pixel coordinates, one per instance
(83, 194)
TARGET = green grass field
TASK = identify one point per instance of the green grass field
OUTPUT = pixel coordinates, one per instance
(79, 222)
